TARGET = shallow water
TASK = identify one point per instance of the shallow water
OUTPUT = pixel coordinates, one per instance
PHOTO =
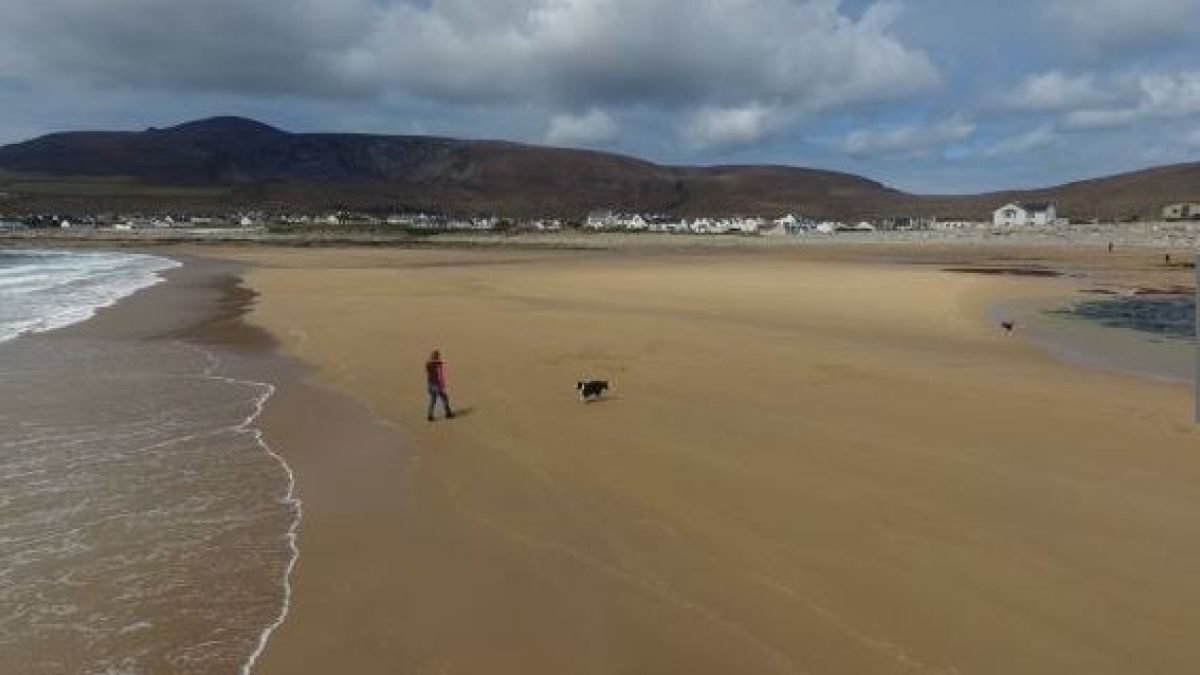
(1165, 315)
(1152, 335)
(144, 526)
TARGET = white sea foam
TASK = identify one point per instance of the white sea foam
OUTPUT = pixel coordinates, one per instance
(46, 290)
(137, 487)
(290, 498)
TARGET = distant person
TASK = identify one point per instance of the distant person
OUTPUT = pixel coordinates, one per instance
(1167, 259)
(1110, 247)
(435, 380)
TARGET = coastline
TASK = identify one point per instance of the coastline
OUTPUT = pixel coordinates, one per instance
(299, 422)
(474, 546)
(530, 537)
(204, 303)
(295, 420)
(201, 304)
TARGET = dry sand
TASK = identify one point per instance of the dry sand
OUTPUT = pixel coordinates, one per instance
(805, 466)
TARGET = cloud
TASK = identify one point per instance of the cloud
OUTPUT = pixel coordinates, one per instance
(1055, 91)
(567, 54)
(679, 81)
(1147, 96)
(1093, 100)
(1034, 139)
(1098, 26)
(1091, 119)
(232, 46)
(731, 127)
(907, 140)
(591, 128)
(656, 52)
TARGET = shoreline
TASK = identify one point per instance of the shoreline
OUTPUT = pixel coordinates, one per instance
(200, 304)
(253, 423)
(290, 418)
(245, 353)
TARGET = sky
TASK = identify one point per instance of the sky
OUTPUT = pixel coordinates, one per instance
(931, 96)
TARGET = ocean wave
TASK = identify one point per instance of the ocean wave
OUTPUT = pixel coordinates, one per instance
(47, 290)
(140, 493)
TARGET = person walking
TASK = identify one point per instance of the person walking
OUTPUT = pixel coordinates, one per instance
(435, 380)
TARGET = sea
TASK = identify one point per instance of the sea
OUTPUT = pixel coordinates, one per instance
(145, 525)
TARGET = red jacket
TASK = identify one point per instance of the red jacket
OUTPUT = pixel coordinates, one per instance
(435, 374)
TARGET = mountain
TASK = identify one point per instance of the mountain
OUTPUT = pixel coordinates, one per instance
(230, 162)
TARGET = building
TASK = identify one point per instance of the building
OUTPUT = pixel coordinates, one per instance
(1025, 213)
(1184, 211)
(600, 220)
(906, 223)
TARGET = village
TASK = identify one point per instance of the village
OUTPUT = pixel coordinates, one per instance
(1008, 217)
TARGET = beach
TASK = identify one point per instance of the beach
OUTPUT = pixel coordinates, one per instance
(808, 463)
(812, 460)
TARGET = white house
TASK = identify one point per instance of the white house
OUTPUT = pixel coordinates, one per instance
(1025, 213)
(633, 222)
(747, 225)
(600, 220)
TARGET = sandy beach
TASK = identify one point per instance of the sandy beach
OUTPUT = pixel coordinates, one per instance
(808, 463)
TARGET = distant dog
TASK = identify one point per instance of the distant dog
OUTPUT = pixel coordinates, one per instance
(1008, 326)
(590, 389)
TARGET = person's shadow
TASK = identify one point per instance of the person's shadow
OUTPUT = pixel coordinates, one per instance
(464, 412)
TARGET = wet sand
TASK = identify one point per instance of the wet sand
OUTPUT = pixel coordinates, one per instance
(145, 526)
(808, 464)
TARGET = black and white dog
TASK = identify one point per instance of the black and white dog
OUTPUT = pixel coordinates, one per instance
(589, 389)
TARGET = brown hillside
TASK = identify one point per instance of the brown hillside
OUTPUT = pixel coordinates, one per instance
(228, 163)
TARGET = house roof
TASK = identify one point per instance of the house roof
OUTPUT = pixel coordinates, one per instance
(1032, 207)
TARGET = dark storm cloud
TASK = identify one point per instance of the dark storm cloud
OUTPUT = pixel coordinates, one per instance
(263, 46)
(714, 59)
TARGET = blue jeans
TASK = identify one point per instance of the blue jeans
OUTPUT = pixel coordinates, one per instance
(436, 392)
